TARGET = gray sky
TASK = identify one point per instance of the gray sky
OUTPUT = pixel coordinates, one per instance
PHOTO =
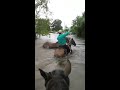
(66, 10)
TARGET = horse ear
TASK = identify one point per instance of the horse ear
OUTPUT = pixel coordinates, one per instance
(43, 74)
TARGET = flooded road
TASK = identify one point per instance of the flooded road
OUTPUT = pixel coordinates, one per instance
(44, 59)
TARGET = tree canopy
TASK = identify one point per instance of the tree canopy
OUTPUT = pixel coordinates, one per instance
(56, 25)
(78, 26)
(42, 25)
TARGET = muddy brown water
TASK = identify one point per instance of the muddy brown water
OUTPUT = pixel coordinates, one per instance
(44, 59)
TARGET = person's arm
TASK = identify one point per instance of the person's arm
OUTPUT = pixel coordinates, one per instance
(64, 35)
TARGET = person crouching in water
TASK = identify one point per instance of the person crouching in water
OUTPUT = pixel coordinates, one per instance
(62, 40)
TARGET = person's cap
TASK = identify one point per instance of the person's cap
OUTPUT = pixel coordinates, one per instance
(60, 31)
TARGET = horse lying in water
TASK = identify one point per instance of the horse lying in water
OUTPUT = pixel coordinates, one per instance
(50, 45)
(61, 52)
(57, 79)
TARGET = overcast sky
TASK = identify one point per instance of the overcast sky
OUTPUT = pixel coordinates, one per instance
(66, 10)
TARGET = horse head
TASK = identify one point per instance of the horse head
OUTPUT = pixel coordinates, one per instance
(73, 42)
(70, 41)
(46, 45)
(57, 79)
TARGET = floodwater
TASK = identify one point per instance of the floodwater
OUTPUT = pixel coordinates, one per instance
(44, 59)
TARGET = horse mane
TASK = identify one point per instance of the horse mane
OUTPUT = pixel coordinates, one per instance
(57, 84)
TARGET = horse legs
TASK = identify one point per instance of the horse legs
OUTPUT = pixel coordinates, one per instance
(70, 51)
(65, 51)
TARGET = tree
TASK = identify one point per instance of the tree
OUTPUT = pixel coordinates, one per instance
(42, 25)
(41, 6)
(56, 25)
(78, 26)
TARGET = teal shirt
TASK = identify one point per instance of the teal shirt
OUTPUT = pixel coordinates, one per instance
(62, 38)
